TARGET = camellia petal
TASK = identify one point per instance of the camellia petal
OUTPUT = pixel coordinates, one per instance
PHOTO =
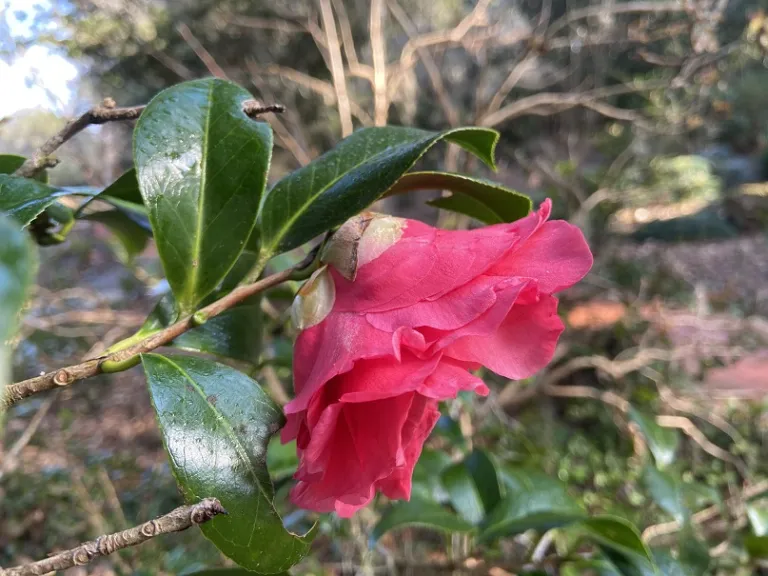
(414, 312)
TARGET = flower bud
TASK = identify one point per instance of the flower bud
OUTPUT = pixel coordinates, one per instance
(360, 240)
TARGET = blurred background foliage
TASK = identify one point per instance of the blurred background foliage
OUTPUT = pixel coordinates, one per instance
(644, 120)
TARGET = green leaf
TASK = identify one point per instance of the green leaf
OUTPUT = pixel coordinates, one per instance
(483, 200)
(662, 442)
(216, 424)
(130, 238)
(123, 194)
(533, 501)
(756, 546)
(350, 177)
(24, 199)
(757, 513)
(473, 486)
(426, 475)
(9, 163)
(620, 541)
(667, 491)
(282, 459)
(202, 167)
(18, 264)
(418, 512)
(235, 333)
(668, 565)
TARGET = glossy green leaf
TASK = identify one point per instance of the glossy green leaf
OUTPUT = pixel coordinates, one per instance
(662, 442)
(426, 475)
(666, 490)
(757, 513)
(483, 200)
(24, 199)
(216, 424)
(18, 265)
(202, 167)
(123, 194)
(130, 238)
(463, 493)
(235, 333)
(533, 500)
(418, 512)
(349, 178)
(472, 486)
(620, 541)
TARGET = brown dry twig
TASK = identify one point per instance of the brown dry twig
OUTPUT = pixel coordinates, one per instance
(66, 376)
(105, 112)
(179, 519)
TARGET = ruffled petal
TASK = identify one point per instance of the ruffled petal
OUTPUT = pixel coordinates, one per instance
(521, 346)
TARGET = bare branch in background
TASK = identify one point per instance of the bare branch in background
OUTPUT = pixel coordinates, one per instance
(337, 67)
(320, 87)
(379, 52)
(435, 76)
(172, 64)
(199, 50)
(559, 101)
(180, 519)
(618, 8)
(355, 67)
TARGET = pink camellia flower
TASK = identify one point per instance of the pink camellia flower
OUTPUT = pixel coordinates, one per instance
(395, 323)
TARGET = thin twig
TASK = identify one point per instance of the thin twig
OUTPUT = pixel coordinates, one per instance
(379, 53)
(433, 71)
(9, 461)
(200, 51)
(106, 112)
(657, 530)
(67, 376)
(102, 114)
(337, 67)
(179, 519)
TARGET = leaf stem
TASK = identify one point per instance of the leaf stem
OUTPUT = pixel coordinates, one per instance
(127, 354)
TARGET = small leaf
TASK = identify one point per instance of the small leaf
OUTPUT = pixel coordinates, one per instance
(669, 566)
(621, 542)
(418, 512)
(463, 493)
(349, 178)
(24, 199)
(757, 512)
(202, 166)
(426, 475)
(662, 442)
(473, 486)
(756, 546)
(282, 459)
(235, 333)
(18, 264)
(483, 200)
(216, 424)
(667, 491)
(533, 501)
(130, 238)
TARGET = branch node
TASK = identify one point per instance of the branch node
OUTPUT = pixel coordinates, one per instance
(108, 103)
(62, 378)
(254, 108)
